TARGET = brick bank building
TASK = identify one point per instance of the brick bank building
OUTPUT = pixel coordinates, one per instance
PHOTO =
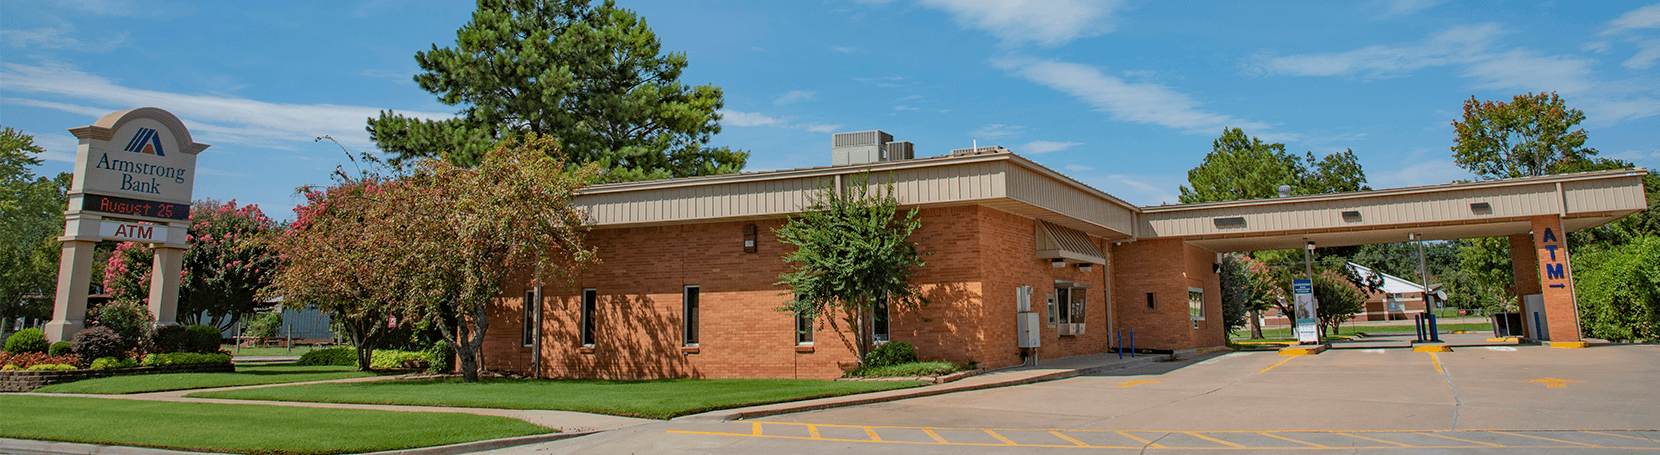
(684, 286)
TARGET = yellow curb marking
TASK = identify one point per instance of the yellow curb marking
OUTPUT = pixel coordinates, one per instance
(1502, 340)
(1136, 383)
(757, 431)
(1553, 383)
(1437, 348)
(1265, 370)
(1569, 344)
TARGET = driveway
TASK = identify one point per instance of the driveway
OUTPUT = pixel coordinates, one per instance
(1478, 400)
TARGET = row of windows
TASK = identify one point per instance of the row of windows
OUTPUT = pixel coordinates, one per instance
(690, 308)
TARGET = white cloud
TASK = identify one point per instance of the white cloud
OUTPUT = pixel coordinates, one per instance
(1399, 8)
(59, 146)
(1640, 18)
(1455, 45)
(1045, 22)
(844, 49)
(64, 38)
(104, 7)
(793, 96)
(1077, 168)
(885, 81)
(1521, 69)
(997, 131)
(217, 118)
(905, 108)
(1152, 192)
(1433, 172)
(1124, 101)
(1647, 52)
(752, 119)
(1600, 47)
(1036, 147)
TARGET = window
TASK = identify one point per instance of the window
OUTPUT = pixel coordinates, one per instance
(803, 329)
(690, 302)
(1196, 304)
(879, 322)
(1150, 301)
(1075, 314)
(531, 305)
(590, 298)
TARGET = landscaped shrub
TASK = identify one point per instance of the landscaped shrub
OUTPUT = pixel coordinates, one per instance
(105, 363)
(384, 359)
(891, 353)
(97, 342)
(345, 356)
(185, 358)
(911, 369)
(172, 338)
(264, 325)
(27, 340)
(129, 319)
(26, 360)
(438, 356)
(59, 348)
(205, 338)
(51, 367)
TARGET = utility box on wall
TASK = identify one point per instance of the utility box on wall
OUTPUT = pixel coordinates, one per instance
(1030, 330)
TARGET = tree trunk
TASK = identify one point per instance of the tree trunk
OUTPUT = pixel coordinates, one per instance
(1256, 325)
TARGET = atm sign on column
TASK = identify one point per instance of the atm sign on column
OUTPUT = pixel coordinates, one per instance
(134, 232)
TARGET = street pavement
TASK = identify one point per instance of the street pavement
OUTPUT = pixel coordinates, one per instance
(1500, 398)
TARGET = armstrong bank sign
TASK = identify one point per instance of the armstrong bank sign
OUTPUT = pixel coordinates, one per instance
(136, 163)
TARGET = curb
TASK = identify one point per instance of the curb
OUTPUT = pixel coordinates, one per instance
(33, 447)
(919, 392)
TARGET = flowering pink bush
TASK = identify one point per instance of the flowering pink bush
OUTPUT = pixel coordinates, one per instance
(229, 260)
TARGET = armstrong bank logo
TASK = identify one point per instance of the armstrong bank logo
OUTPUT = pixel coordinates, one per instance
(147, 141)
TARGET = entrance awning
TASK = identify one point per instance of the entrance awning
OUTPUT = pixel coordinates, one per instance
(1060, 242)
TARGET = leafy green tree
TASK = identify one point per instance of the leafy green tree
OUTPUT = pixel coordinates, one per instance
(31, 217)
(1619, 291)
(592, 77)
(1338, 299)
(1530, 136)
(1245, 294)
(853, 248)
(1244, 167)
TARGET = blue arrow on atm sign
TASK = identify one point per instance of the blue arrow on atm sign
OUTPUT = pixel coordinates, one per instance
(1302, 287)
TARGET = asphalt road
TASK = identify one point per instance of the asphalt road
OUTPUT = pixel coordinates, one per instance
(1475, 400)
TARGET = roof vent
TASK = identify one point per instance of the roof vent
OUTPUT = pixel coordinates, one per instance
(979, 150)
(860, 147)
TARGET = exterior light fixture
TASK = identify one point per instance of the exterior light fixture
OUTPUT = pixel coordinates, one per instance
(1057, 262)
(1086, 267)
(1309, 246)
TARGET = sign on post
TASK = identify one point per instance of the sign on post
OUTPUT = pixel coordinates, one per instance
(1308, 326)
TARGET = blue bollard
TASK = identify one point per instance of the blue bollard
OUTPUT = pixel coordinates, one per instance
(1132, 343)
(1418, 326)
(1120, 344)
(1434, 334)
(1538, 329)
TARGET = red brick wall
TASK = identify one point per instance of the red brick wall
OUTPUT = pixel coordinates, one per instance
(1166, 268)
(976, 257)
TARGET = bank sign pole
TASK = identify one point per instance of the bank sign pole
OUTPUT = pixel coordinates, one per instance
(134, 172)
(1308, 326)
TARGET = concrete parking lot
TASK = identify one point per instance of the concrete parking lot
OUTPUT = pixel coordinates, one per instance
(1498, 399)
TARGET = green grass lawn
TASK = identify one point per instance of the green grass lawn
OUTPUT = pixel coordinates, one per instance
(244, 375)
(1348, 330)
(659, 399)
(240, 428)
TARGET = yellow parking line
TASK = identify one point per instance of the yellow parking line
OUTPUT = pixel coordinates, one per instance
(1271, 435)
(813, 430)
(1143, 441)
(757, 430)
(873, 436)
(1375, 439)
(1211, 439)
(1437, 360)
(1069, 439)
(1547, 439)
(1265, 370)
(1619, 435)
(1489, 444)
(1001, 438)
(936, 436)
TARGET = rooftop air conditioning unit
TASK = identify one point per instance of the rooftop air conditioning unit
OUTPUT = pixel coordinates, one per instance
(859, 147)
(899, 151)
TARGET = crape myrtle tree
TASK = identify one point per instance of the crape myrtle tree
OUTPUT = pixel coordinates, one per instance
(31, 218)
(852, 249)
(593, 77)
(228, 262)
(467, 231)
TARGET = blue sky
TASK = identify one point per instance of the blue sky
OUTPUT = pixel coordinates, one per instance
(1123, 95)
